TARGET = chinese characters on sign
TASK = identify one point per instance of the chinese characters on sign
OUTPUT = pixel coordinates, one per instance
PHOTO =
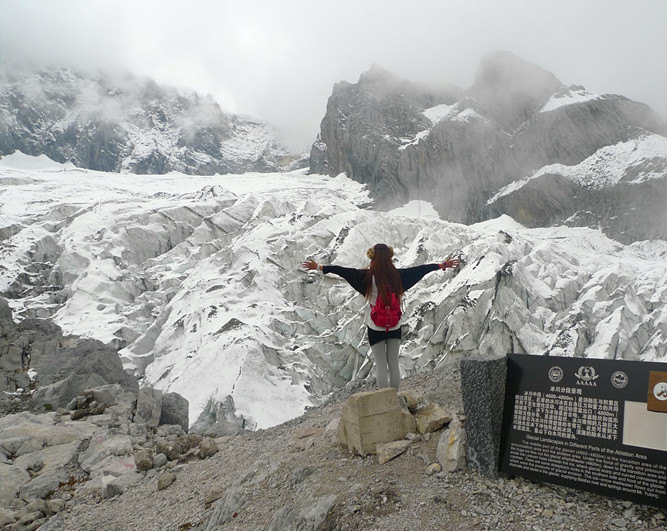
(587, 424)
(565, 416)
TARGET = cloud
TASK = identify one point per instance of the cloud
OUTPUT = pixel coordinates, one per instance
(278, 61)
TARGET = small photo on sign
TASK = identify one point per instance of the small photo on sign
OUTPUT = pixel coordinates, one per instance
(646, 429)
(657, 391)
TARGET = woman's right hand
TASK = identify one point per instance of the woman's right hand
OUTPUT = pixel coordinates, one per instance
(310, 265)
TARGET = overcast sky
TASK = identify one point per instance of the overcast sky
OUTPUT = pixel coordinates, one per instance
(278, 60)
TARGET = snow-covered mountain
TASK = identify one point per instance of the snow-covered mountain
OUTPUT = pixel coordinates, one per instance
(517, 142)
(197, 280)
(126, 124)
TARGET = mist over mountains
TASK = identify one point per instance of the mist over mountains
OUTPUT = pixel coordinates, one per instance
(517, 142)
(122, 123)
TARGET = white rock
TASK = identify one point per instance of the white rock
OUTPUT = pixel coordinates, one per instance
(451, 453)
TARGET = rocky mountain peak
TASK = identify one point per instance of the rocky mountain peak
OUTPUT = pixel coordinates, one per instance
(511, 89)
(377, 74)
(517, 142)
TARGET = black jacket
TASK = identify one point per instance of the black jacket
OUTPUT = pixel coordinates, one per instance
(357, 277)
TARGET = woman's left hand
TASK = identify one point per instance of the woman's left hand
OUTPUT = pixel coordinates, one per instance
(310, 265)
(450, 262)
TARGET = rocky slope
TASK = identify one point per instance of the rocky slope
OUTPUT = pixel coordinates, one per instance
(197, 281)
(125, 124)
(100, 428)
(294, 476)
(460, 149)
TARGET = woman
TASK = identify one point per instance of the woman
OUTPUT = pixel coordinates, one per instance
(383, 317)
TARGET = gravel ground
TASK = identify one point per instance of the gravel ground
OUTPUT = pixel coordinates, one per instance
(268, 471)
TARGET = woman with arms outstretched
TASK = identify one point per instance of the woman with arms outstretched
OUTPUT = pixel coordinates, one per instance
(383, 285)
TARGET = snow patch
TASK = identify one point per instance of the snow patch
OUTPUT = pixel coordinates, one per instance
(20, 161)
(466, 115)
(416, 209)
(437, 113)
(569, 98)
(607, 166)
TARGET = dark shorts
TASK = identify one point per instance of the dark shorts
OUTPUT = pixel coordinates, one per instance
(375, 336)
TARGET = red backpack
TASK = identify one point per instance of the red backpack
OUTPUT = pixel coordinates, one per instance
(386, 316)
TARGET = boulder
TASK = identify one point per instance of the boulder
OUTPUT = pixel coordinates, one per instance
(175, 410)
(431, 418)
(43, 485)
(370, 418)
(81, 358)
(159, 460)
(207, 448)
(451, 451)
(107, 394)
(387, 451)
(172, 449)
(138, 433)
(143, 459)
(29, 518)
(149, 407)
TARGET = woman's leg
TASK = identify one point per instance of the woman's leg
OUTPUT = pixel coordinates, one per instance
(392, 360)
(380, 353)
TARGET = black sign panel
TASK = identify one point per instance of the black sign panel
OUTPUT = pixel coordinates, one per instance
(584, 423)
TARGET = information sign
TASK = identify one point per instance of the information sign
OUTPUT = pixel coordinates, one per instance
(586, 423)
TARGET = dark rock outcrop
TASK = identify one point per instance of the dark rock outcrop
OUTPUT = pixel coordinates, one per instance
(516, 119)
(43, 370)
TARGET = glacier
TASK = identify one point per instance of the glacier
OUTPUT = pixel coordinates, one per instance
(197, 281)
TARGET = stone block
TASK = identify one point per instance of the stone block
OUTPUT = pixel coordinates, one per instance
(371, 403)
(483, 390)
(431, 417)
(370, 418)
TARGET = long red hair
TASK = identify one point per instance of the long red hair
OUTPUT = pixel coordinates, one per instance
(387, 278)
